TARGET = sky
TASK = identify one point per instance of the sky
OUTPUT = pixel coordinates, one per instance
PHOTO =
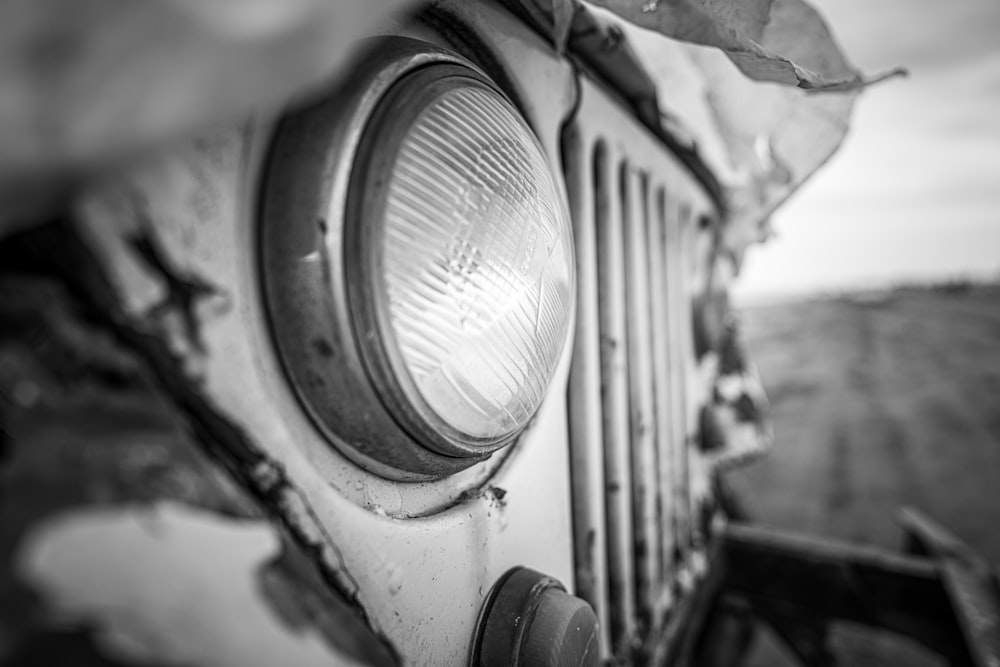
(914, 192)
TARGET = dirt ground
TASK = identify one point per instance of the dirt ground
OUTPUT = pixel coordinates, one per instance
(880, 401)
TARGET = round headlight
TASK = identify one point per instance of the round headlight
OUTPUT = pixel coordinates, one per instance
(417, 263)
(464, 285)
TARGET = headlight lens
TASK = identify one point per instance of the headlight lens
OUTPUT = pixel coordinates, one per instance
(464, 284)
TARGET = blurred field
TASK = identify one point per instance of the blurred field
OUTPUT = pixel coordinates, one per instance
(880, 401)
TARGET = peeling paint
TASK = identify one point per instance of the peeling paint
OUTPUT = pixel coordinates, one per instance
(184, 290)
(112, 418)
(494, 496)
(302, 520)
(169, 584)
(265, 477)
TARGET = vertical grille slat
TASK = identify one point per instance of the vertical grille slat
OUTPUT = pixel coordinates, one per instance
(672, 251)
(586, 423)
(612, 299)
(685, 242)
(659, 296)
(641, 399)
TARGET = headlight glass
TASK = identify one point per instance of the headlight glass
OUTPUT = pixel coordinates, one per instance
(466, 262)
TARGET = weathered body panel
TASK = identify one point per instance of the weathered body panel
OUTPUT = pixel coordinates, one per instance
(417, 558)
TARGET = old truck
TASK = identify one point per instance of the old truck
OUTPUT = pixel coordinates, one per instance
(397, 333)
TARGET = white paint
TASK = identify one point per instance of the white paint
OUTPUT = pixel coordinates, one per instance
(168, 584)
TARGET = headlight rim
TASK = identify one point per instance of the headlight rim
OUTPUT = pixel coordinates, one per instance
(343, 399)
(366, 203)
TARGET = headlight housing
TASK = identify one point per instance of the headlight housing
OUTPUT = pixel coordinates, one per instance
(435, 270)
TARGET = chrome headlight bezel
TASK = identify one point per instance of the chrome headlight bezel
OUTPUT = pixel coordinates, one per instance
(317, 269)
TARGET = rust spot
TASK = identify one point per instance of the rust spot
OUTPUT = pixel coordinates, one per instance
(494, 496)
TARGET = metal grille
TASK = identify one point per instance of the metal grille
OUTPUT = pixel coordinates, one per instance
(632, 387)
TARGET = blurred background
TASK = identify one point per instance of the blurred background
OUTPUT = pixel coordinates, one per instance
(874, 313)
(914, 193)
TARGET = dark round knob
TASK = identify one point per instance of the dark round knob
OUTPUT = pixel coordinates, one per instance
(529, 620)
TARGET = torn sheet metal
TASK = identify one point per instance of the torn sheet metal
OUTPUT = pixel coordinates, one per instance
(762, 140)
(745, 32)
(768, 40)
(702, 73)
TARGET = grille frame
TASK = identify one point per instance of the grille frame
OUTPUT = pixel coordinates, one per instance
(635, 386)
